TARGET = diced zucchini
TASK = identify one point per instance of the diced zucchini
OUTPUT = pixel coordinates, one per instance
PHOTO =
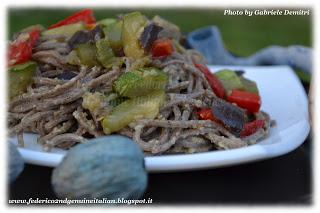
(133, 110)
(140, 82)
(93, 101)
(249, 85)
(125, 83)
(107, 22)
(20, 77)
(72, 58)
(67, 30)
(105, 54)
(87, 54)
(113, 34)
(229, 80)
(133, 23)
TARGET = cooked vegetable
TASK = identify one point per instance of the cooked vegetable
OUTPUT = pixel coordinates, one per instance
(113, 33)
(140, 82)
(20, 77)
(170, 30)
(106, 167)
(251, 127)
(133, 23)
(119, 100)
(93, 101)
(178, 47)
(105, 54)
(162, 48)
(72, 58)
(82, 37)
(247, 100)
(249, 85)
(234, 81)
(132, 110)
(215, 84)
(205, 114)
(107, 22)
(141, 63)
(20, 50)
(67, 30)
(84, 16)
(36, 27)
(229, 80)
(229, 115)
(149, 35)
(87, 54)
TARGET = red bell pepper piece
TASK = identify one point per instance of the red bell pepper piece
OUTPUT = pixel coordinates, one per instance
(247, 100)
(214, 82)
(20, 50)
(205, 114)
(161, 48)
(251, 127)
(86, 16)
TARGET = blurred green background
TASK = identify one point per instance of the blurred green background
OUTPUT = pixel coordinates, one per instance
(243, 35)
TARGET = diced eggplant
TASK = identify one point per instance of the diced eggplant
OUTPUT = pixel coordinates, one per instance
(170, 30)
(83, 37)
(80, 37)
(231, 116)
(239, 72)
(149, 35)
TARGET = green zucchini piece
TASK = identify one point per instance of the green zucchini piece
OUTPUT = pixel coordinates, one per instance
(105, 54)
(113, 34)
(133, 23)
(249, 85)
(67, 30)
(229, 80)
(107, 22)
(20, 77)
(87, 54)
(140, 82)
(133, 110)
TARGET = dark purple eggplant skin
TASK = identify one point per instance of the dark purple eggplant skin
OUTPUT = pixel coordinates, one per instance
(149, 35)
(239, 72)
(84, 36)
(231, 116)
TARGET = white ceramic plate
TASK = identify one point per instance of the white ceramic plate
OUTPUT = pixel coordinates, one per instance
(283, 97)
